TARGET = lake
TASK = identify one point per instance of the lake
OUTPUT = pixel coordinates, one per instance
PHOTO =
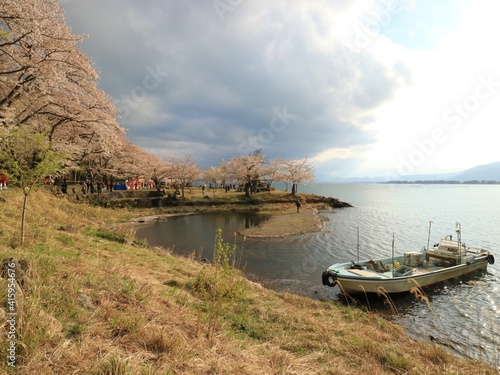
(464, 314)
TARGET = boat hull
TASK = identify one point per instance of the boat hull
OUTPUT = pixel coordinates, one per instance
(444, 261)
(355, 284)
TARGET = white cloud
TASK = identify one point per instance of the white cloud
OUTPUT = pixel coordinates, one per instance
(339, 153)
(414, 131)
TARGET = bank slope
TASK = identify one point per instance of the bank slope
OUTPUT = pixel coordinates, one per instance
(95, 301)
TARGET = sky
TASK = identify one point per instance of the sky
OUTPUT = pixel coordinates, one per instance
(360, 88)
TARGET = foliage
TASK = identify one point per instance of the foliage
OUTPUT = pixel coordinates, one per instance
(248, 168)
(298, 171)
(214, 175)
(28, 157)
(184, 170)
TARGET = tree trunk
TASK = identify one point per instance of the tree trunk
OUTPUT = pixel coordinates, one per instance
(294, 189)
(23, 217)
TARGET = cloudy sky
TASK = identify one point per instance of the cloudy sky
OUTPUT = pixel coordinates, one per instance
(361, 88)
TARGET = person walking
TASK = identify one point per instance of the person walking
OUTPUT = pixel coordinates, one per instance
(64, 186)
(298, 204)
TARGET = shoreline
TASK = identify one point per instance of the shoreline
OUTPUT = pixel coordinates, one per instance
(149, 219)
(288, 223)
(280, 223)
(278, 210)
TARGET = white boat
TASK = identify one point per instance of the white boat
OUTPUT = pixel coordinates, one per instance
(445, 260)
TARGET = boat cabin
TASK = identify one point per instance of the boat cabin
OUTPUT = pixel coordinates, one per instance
(449, 252)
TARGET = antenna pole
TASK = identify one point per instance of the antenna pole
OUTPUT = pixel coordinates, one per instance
(392, 254)
(357, 261)
(429, 236)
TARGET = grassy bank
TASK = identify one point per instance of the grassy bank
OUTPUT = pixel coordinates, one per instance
(196, 199)
(94, 301)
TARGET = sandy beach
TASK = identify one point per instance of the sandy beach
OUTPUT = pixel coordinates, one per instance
(287, 223)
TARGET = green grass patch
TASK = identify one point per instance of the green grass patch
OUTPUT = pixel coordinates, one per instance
(109, 236)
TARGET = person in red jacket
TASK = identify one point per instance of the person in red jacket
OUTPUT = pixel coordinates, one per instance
(3, 181)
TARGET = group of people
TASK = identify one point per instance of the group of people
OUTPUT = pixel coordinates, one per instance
(88, 187)
(3, 181)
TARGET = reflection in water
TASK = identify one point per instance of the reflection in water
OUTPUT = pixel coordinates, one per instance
(188, 234)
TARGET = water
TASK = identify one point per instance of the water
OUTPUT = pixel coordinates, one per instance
(464, 316)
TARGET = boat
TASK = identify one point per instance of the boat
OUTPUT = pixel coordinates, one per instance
(445, 260)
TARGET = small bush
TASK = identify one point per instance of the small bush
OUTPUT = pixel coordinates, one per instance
(219, 283)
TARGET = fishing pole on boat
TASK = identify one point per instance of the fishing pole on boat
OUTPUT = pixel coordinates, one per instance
(429, 235)
(459, 239)
(357, 265)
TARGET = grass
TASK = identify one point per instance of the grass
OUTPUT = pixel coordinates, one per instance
(95, 301)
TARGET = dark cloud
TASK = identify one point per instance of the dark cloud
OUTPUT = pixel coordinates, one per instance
(192, 79)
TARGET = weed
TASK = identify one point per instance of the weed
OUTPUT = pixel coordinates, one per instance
(128, 286)
(246, 324)
(75, 330)
(419, 293)
(387, 299)
(110, 236)
(395, 361)
(123, 324)
(220, 283)
(366, 297)
(114, 366)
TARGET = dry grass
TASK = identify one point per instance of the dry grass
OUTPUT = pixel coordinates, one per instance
(96, 302)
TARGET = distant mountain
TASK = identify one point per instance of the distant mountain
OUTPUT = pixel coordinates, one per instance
(488, 172)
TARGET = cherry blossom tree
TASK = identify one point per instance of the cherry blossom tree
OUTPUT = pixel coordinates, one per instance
(184, 170)
(157, 169)
(230, 171)
(298, 171)
(47, 83)
(248, 168)
(214, 175)
(273, 171)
